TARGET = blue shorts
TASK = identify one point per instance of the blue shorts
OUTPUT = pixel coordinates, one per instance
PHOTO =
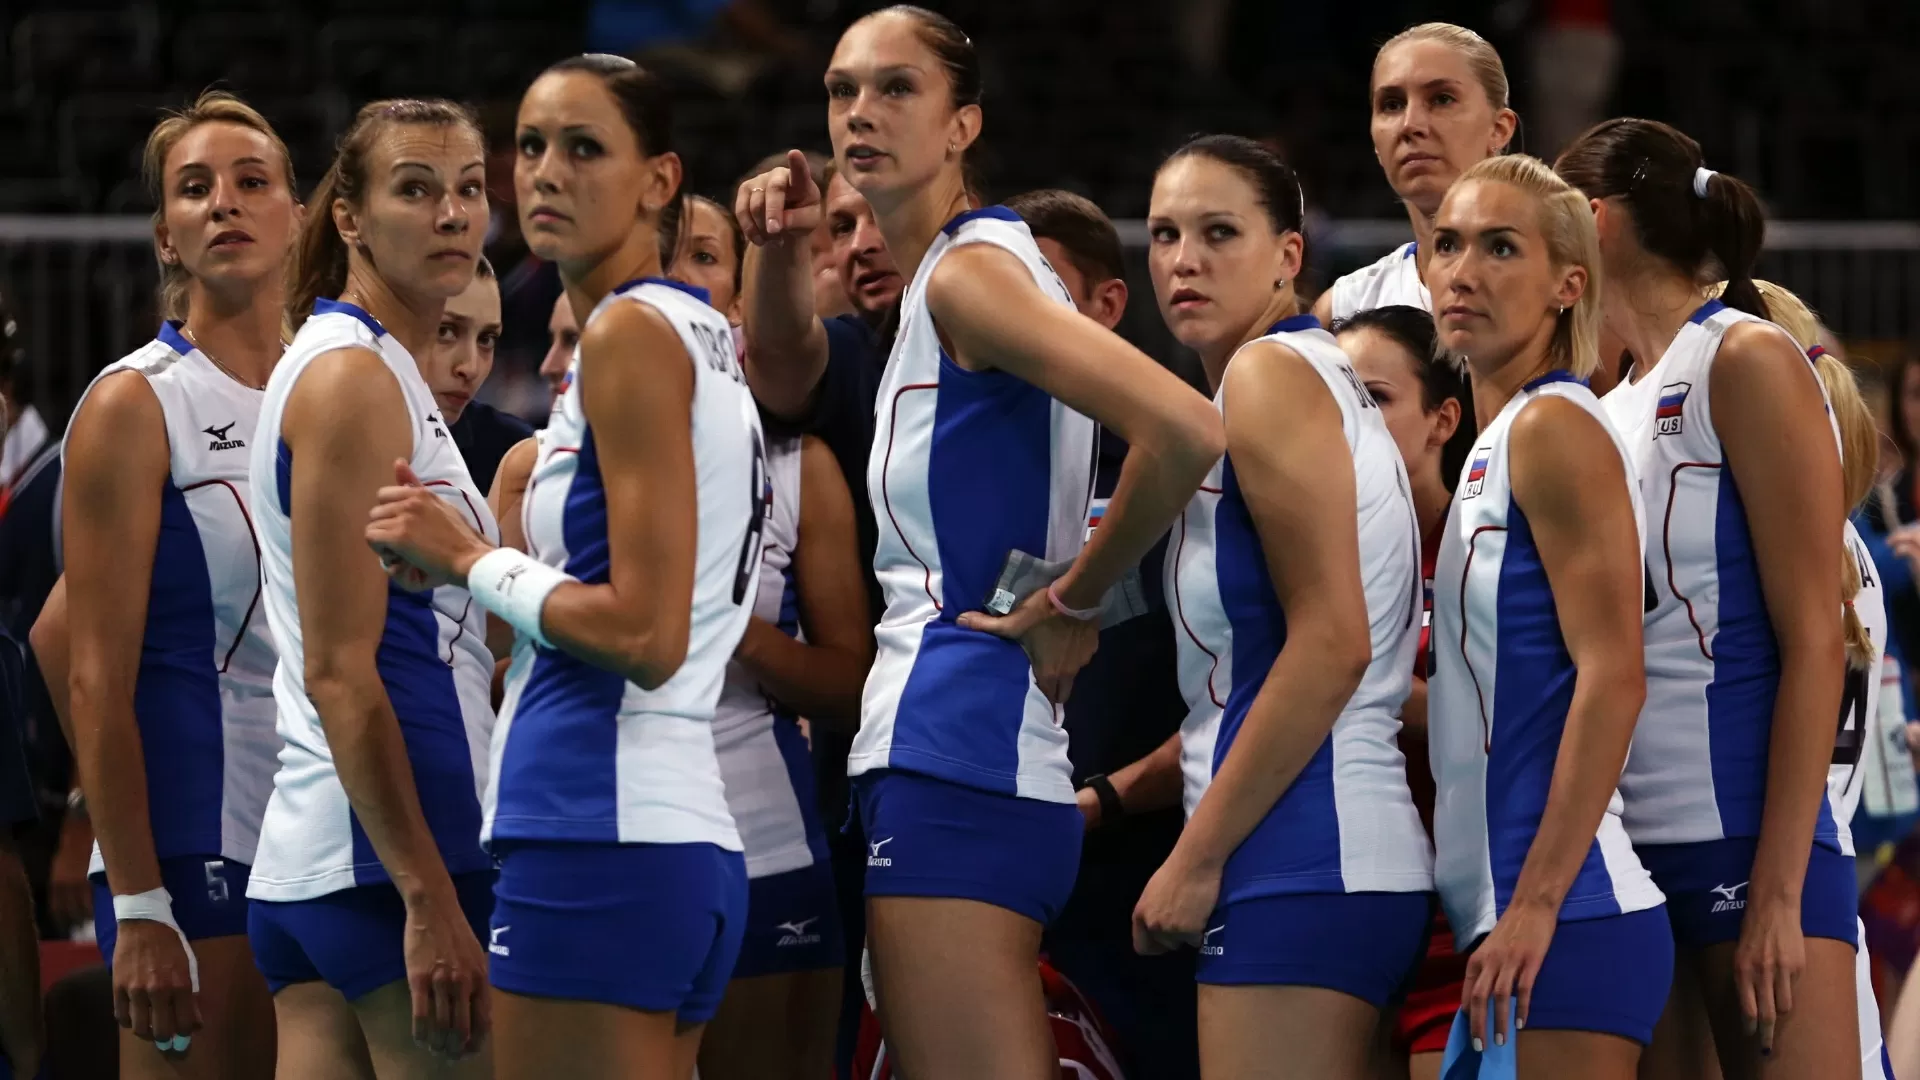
(352, 940)
(1706, 887)
(1363, 944)
(793, 924)
(654, 927)
(929, 837)
(209, 899)
(1609, 975)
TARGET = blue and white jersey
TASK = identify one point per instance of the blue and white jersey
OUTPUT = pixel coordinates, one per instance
(203, 697)
(1347, 823)
(433, 655)
(581, 753)
(1860, 704)
(1497, 704)
(1393, 279)
(1698, 770)
(966, 467)
(764, 757)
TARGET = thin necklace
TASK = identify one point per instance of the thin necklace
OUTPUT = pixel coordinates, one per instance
(231, 374)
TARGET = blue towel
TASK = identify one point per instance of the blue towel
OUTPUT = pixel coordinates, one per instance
(1463, 1062)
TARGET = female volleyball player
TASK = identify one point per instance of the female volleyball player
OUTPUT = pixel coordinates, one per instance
(709, 254)
(1422, 399)
(1303, 873)
(1439, 102)
(984, 447)
(169, 690)
(1726, 795)
(622, 892)
(371, 888)
(1536, 619)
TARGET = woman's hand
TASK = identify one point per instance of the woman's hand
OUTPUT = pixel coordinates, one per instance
(1057, 646)
(1505, 965)
(422, 541)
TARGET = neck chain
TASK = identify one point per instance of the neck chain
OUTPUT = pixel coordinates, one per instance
(231, 374)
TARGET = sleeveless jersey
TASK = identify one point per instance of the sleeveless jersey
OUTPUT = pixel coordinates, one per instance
(203, 697)
(582, 754)
(1698, 769)
(1860, 705)
(966, 467)
(1393, 279)
(433, 655)
(1347, 823)
(764, 757)
(1498, 701)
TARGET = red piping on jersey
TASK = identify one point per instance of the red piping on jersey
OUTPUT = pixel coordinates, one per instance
(258, 582)
(1666, 547)
(460, 624)
(886, 468)
(1486, 726)
(1178, 548)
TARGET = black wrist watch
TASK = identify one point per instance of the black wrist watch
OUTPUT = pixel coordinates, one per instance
(1111, 808)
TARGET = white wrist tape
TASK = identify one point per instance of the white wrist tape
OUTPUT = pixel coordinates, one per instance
(156, 905)
(514, 586)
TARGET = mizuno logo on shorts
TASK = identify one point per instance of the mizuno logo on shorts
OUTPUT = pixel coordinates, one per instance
(874, 858)
(1731, 899)
(798, 932)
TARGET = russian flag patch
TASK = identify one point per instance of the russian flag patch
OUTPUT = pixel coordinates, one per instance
(1477, 472)
(1667, 415)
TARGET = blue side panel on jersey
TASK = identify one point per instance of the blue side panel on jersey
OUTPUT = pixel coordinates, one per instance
(558, 770)
(419, 682)
(789, 622)
(794, 751)
(1533, 689)
(989, 477)
(176, 695)
(283, 476)
(1296, 847)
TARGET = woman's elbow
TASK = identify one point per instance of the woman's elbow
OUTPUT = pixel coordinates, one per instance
(653, 657)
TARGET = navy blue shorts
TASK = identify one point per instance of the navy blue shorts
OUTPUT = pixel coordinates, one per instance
(793, 924)
(1706, 887)
(1363, 944)
(929, 837)
(654, 927)
(1609, 975)
(209, 899)
(352, 940)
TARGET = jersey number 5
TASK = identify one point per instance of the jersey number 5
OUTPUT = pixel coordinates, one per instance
(759, 498)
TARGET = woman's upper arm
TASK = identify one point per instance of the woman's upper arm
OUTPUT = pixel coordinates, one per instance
(1772, 423)
(509, 488)
(345, 424)
(826, 559)
(117, 462)
(1569, 479)
(986, 301)
(1283, 429)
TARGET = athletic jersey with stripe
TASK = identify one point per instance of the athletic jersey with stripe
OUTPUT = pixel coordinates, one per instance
(1860, 705)
(581, 753)
(1347, 823)
(1393, 279)
(1497, 704)
(1698, 770)
(433, 657)
(966, 467)
(764, 757)
(203, 697)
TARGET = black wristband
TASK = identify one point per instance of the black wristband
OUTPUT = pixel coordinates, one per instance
(1111, 808)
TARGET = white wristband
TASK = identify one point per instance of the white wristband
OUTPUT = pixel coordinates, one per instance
(156, 905)
(514, 586)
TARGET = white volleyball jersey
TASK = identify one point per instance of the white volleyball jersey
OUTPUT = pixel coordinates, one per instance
(763, 754)
(1347, 823)
(1698, 770)
(1860, 705)
(203, 697)
(967, 466)
(1393, 279)
(581, 753)
(1497, 704)
(433, 655)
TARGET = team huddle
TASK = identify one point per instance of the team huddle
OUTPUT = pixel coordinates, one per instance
(1523, 638)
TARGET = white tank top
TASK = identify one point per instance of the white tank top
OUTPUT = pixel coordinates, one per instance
(1347, 823)
(966, 467)
(433, 655)
(1393, 279)
(1497, 704)
(581, 753)
(203, 698)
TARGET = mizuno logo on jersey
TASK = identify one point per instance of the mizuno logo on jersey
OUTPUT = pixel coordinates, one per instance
(1477, 473)
(220, 439)
(798, 932)
(1666, 417)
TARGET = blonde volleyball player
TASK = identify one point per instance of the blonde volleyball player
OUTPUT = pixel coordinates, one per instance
(371, 889)
(984, 445)
(1739, 465)
(168, 694)
(1538, 665)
